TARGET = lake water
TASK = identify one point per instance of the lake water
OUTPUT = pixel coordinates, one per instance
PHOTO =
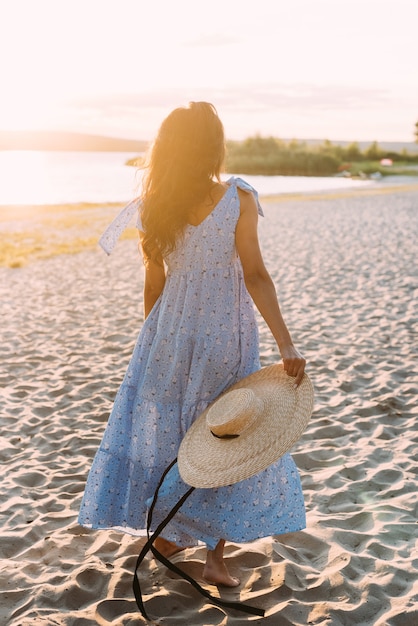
(34, 177)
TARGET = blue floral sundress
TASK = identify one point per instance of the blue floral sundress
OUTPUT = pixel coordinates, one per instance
(200, 338)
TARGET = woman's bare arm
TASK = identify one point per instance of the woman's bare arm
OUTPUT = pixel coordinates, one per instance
(261, 288)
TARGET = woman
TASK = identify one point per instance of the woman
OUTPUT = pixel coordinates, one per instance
(203, 269)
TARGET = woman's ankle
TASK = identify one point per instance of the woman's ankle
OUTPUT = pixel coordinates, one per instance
(215, 570)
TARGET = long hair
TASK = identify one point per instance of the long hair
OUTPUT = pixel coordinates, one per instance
(187, 155)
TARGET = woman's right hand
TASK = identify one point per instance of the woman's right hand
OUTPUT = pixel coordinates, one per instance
(293, 363)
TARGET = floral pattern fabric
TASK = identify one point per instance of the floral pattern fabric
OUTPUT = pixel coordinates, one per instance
(199, 339)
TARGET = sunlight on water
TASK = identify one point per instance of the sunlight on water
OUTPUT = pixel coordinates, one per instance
(271, 185)
(24, 176)
(37, 178)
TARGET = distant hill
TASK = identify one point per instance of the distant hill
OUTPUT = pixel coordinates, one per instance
(57, 140)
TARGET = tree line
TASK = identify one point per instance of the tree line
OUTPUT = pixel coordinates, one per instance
(271, 156)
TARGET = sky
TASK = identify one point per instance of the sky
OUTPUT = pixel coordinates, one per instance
(325, 69)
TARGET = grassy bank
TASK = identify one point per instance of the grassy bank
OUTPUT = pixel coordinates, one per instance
(400, 168)
(31, 233)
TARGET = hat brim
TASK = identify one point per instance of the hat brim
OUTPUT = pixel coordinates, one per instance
(206, 461)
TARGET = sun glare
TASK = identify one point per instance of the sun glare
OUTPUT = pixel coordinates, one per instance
(30, 78)
(31, 180)
(19, 111)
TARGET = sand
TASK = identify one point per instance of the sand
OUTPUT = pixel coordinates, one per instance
(347, 275)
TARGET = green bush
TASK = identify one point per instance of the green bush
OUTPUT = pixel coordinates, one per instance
(269, 156)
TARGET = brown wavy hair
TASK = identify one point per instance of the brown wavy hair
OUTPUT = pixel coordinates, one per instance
(187, 155)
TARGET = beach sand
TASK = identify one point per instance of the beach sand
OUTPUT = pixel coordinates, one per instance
(346, 271)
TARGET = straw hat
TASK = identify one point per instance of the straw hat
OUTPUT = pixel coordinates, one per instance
(246, 429)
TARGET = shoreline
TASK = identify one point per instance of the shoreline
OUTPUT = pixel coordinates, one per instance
(333, 194)
(30, 233)
(405, 184)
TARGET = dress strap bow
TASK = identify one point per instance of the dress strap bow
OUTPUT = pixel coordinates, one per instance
(112, 233)
(242, 184)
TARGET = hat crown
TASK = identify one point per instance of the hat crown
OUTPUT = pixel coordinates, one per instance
(233, 413)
